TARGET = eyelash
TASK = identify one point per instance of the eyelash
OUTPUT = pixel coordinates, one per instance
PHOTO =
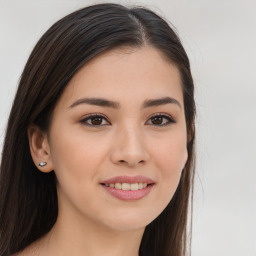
(170, 120)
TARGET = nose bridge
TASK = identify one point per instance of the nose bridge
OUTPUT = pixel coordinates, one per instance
(130, 145)
(132, 137)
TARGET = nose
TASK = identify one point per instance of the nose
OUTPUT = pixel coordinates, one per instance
(129, 148)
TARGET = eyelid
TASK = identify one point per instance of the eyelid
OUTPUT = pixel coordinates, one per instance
(92, 115)
(164, 115)
(170, 119)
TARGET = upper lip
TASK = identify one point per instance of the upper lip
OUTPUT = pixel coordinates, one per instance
(128, 179)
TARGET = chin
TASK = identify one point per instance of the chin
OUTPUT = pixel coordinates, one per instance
(128, 221)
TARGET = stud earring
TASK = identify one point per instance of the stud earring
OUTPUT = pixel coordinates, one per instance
(42, 164)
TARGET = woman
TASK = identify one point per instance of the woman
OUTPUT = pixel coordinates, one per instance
(98, 154)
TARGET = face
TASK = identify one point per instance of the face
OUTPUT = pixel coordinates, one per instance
(118, 160)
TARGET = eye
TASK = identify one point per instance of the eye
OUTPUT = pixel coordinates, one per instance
(94, 120)
(161, 120)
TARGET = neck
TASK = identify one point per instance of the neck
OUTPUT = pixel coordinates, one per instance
(72, 236)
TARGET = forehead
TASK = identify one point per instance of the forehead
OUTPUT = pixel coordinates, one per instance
(126, 73)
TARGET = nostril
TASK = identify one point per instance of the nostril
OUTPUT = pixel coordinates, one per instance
(131, 163)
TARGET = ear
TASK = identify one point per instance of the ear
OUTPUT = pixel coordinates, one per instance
(39, 148)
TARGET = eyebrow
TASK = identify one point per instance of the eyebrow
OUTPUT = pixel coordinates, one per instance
(113, 104)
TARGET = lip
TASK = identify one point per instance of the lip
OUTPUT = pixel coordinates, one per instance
(128, 179)
(128, 195)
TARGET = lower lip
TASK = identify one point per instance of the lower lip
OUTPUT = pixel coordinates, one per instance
(128, 194)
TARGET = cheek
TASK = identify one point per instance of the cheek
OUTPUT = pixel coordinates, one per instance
(170, 161)
(76, 163)
(74, 156)
(77, 160)
(171, 153)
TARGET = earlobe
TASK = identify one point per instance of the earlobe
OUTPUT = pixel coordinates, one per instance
(40, 149)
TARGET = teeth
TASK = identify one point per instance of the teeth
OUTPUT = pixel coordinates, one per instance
(134, 186)
(118, 186)
(127, 186)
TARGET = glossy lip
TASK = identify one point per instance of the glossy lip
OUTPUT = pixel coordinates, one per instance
(128, 179)
(128, 195)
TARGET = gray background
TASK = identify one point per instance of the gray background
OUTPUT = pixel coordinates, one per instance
(220, 39)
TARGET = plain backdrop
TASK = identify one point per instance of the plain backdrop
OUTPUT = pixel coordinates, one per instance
(220, 39)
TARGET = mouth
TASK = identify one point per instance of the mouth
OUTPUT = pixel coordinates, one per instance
(127, 187)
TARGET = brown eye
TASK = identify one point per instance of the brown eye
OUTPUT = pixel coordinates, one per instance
(161, 120)
(94, 120)
(157, 120)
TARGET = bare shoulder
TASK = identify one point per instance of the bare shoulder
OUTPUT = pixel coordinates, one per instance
(24, 252)
(31, 250)
(36, 248)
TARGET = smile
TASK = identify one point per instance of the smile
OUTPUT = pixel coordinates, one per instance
(128, 188)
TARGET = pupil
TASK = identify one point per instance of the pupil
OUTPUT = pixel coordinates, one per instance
(96, 120)
(158, 120)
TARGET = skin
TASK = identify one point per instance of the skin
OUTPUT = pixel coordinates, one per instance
(127, 142)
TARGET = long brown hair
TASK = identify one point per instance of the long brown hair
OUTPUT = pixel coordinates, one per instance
(28, 198)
